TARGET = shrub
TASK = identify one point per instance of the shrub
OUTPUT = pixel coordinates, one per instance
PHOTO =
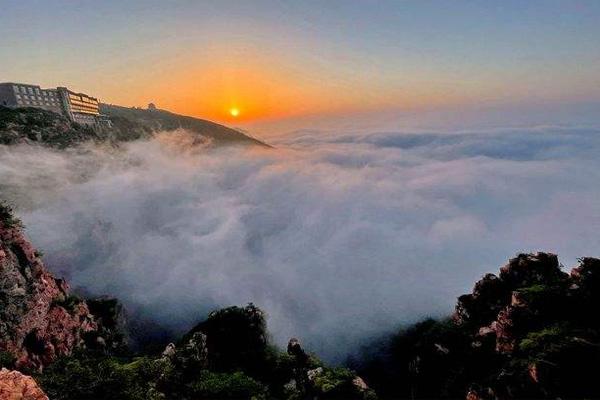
(236, 385)
(68, 302)
(7, 216)
(7, 360)
(85, 376)
(236, 339)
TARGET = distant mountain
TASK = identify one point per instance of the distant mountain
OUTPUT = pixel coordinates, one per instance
(127, 118)
(33, 125)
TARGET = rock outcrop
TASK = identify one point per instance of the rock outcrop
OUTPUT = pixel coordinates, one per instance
(16, 386)
(317, 382)
(530, 331)
(541, 321)
(39, 319)
(525, 293)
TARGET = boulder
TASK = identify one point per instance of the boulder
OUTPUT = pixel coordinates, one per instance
(295, 349)
(16, 386)
(532, 269)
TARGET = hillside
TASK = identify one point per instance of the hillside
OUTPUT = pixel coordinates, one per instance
(76, 348)
(530, 332)
(41, 126)
(155, 120)
(32, 125)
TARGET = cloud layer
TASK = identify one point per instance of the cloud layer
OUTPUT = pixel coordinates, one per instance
(337, 237)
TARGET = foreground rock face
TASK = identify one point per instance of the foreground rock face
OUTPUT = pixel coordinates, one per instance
(319, 382)
(531, 331)
(542, 322)
(530, 291)
(39, 319)
(16, 386)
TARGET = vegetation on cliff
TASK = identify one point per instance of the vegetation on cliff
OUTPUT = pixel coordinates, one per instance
(40, 320)
(530, 332)
(227, 356)
(76, 348)
(34, 125)
(141, 122)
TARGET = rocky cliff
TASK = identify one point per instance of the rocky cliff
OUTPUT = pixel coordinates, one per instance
(33, 125)
(16, 386)
(68, 344)
(531, 331)
(39, 319)
(541, 323)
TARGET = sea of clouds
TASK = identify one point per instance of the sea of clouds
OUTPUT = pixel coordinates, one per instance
(337, 237)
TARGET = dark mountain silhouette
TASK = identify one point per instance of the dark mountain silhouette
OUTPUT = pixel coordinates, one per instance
(33, 125)
(149, 120)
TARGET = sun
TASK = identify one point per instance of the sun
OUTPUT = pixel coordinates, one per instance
(234, 112)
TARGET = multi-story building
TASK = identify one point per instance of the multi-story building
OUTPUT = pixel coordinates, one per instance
(23, 95)
(78, 107)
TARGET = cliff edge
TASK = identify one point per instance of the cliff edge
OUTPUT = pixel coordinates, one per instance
(39, 319)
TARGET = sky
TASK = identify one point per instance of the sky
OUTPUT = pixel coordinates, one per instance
(289, 65)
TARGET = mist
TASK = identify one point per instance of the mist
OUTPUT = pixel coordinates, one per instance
(337, 237)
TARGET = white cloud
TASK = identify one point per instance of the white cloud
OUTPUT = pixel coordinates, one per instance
(337, 239)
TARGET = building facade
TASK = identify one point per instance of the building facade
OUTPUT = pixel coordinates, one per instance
(24, 95)
(78, 107)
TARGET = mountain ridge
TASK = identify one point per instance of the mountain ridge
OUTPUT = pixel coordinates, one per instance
(34, 125)
(159, 119)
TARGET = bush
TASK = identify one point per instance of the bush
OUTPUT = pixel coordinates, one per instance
(68, 302)
(236, 340)
(547, 340)
(333, 383)
(85, 376)
(236, 385)
(7, 216)
(7, 360)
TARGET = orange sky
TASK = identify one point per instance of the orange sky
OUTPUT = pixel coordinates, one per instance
(304, 61)
(266, 89)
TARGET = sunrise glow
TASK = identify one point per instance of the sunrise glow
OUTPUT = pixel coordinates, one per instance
(416, 66)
